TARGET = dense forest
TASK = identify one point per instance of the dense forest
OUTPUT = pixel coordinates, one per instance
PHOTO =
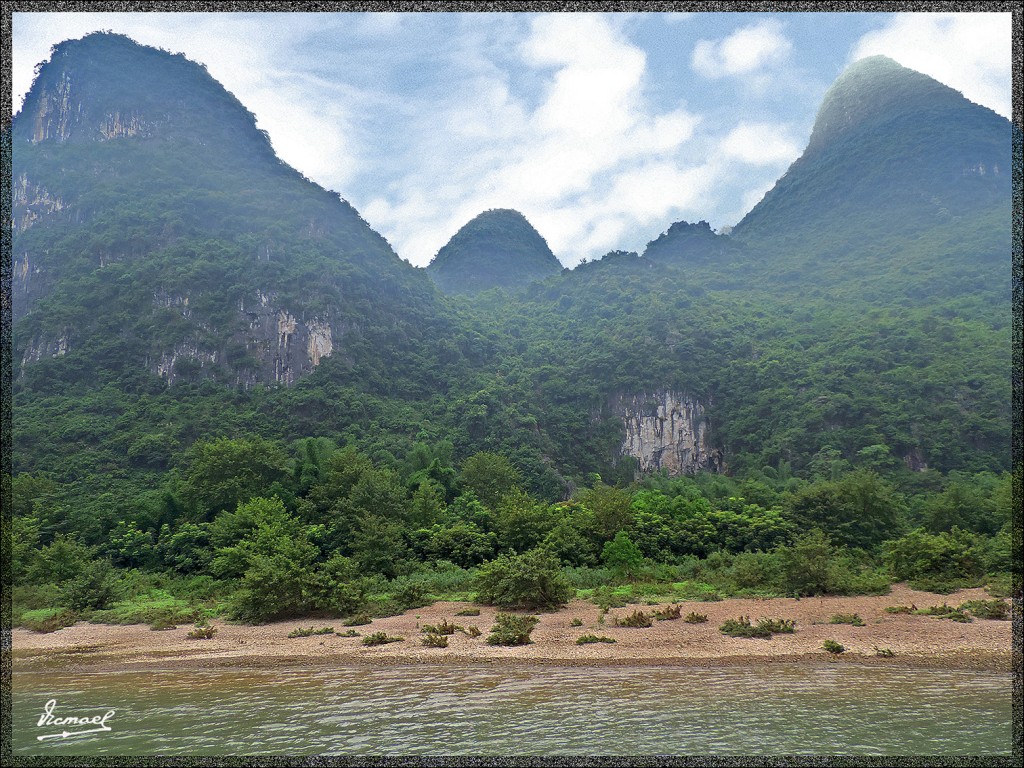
(231, 397)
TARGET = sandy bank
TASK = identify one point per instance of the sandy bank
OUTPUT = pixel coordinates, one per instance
(915, 640)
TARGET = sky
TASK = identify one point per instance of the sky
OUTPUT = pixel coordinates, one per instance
(602, 129)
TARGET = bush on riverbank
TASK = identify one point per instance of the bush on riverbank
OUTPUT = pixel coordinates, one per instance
(511, 629)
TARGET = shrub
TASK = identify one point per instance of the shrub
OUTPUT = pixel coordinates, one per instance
(668, 614)
(204, 632)
(695, 618)
(847, 618)
(742, 627)
(577, 622)
(359, 620)
(987, 609)
(348, 633)
(162, 624)
(444, 628)
(587, 639)
(901, 608)
(469, 612)
(833, 647)
(945, 612)
(779, 626)
(532, 581)
(94, 588)
(510, 629)
(50, 623)
(884, 652)
(637, 619)
(435, 641)
(299, 632)
(470, 631)
(381, 638)
(764, 628)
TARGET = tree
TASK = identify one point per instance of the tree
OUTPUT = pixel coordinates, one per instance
(623, 556)
(222, 473)
(490, 476)
(532, 580)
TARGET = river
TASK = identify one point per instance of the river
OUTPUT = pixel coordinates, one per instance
(776, 709)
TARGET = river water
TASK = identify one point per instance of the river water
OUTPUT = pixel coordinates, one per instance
(774, 709)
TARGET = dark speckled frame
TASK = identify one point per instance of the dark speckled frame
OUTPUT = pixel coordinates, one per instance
(1014, 6)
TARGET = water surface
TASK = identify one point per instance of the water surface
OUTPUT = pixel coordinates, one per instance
(436, 710)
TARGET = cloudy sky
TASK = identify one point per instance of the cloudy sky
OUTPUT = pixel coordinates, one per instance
(602, 129)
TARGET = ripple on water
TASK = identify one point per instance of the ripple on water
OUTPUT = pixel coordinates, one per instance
(781, 709)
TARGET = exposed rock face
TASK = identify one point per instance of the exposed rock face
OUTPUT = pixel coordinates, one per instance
(276, 347)
(666, 430)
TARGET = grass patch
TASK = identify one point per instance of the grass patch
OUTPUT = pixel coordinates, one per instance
(696, 591)
(444, 628)
(833, 647)
(577, 622)
(588, 639)
(349, 633)
(945, 612)
(469, 612)
(987, 609)
(435, 641)
(671, 613)
(46, 620)
(359, 620)
(300, 632)
(764, 628)
(886, 653)
(695, 618)
(470, 631)
(205, 632)
(381, 638)
(637, 619)
(847, 618)
(901, 608)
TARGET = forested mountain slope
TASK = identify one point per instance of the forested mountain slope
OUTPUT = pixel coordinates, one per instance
(175, 281)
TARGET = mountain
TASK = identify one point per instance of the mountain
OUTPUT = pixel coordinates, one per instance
(688, 244)
(497, 249)
(892, 152)
(174, 281)
(156, 236)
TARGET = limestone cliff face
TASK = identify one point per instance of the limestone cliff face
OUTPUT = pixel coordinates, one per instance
(275, 347)
(666, 430)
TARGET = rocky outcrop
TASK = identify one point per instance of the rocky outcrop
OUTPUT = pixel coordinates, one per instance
(666, 430)
(31, 202)
(275, 347)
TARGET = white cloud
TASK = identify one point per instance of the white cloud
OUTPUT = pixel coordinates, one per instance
(744, 52)
(586, 162)
(970, 52)
(760, 144)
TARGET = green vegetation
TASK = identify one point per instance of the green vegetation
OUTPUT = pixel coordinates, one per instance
(587, 639)
(847, 618)
(435, 641)
(945, 612)
(635, 619)
(202, 632)
(764, 628)
(835, 648)
(444, 628)
(669, 613)
(381, 638)
(886, 653)
(511, 629)
(576, 622)
(468, 612)
(176, 458)
(987, 609)
(301, 632)
(695, 618)
(348, 633)
(530, 581)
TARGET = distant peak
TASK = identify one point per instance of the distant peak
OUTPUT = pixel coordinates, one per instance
(496, 248)
(873, 89)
